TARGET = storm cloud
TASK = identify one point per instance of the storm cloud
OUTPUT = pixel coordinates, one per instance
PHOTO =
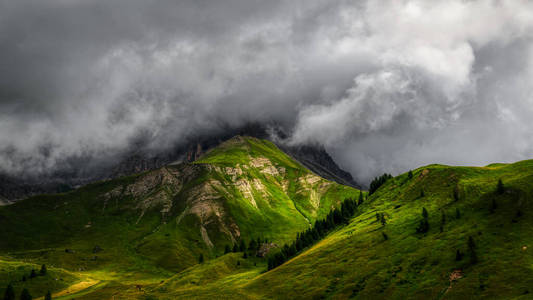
(385, 86)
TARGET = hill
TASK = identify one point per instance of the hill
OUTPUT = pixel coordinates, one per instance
(139, 230)
(491, 229)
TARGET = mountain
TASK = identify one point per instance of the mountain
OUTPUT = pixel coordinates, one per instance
(148, 226)
(82, 171)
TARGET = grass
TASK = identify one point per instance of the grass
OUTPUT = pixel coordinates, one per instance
(153, 225)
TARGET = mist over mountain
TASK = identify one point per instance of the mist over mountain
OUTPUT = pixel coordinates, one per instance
(383, 86)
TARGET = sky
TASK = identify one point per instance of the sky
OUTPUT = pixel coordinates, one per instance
(384, 86)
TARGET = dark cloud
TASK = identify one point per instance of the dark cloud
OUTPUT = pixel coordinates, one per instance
(384, 85)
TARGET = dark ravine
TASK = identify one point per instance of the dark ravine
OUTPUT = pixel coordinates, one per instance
(315, 158)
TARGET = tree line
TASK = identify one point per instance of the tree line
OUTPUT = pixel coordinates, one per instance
(319, 230)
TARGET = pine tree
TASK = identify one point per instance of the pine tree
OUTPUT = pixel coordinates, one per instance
(493, 205)
(500, 189)
(235, 248)
(48, 296)
(458, 255)
(252, 246)
(424, 213)
(410, 174)
(33, 274)
(456, 194)
(43, 270)
(423, 226)
(472, 249)
(9, 293)
(360, 198)
(382, 219)
(25, 295)
(201, 258)
(242, 246)
(227, 249)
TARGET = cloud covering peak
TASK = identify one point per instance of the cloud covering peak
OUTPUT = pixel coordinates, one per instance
(384, 85)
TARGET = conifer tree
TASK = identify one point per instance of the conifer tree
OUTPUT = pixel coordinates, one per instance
(42, 272)
(458, 255)
(25, 295)
(382, 219)
(244, 255)
(227, 249)
(33, 274)
(472, 249)
(9, 294)
(410, 174)
(385, 236)
(252, 246)
(235, 248)
(493, 205)
(423, 227)
(456, 194)
(201, 258)
(242, 246)
(500, 189)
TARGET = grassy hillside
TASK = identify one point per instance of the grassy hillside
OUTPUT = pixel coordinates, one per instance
(357, 262)
(106, 238)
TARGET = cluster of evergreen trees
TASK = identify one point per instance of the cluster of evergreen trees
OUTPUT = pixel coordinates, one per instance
(377, 182)
(254, 245)
(24, 295)
(321, 228)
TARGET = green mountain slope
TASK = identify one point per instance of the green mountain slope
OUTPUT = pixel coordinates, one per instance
(142, 229)
(357, 262)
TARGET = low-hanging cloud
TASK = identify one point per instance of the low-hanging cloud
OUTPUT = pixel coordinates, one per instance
(385, 86)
